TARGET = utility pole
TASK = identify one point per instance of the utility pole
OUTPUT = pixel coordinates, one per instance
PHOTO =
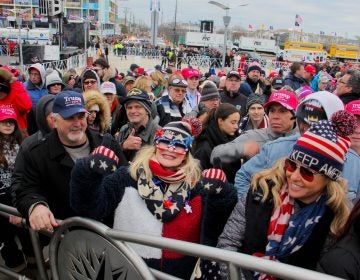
(175, 41)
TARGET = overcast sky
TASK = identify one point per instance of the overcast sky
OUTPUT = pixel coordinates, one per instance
(328, 16)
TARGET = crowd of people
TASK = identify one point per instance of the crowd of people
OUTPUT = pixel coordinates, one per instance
(262, 164)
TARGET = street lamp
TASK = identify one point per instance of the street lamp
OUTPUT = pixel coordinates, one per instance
(226, 20)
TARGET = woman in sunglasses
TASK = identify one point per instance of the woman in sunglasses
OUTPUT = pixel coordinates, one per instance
(54, 83)
(161, 193)
(295, 207)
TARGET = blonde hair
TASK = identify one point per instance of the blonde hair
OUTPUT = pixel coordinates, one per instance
(142, 82)
(190, 165)
(158, 77)
(335, 191)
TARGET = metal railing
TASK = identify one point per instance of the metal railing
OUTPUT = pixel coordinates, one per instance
(72, 230)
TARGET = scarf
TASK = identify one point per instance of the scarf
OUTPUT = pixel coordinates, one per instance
(166, 194)
(288, 231)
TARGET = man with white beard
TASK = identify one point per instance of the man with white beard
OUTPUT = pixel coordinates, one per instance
(43, 193)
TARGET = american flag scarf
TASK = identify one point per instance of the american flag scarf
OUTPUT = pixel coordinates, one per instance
(288, 231)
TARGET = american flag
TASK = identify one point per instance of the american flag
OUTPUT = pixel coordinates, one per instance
(298, 20)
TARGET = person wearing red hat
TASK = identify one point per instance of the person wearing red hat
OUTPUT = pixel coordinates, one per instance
(354, 108)
(14, 95)
(192, 77)
(10, 139)
(281, 108)
(309, 73)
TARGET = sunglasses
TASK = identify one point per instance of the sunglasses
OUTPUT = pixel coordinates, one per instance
(177, 147)
(57, 84)
(306, 173)
(89, 82)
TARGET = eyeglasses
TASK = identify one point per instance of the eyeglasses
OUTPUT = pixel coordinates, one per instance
(179, 90)
(177, 81)
(91, 82)
(57, 84)
(306, 173)
(171, 145)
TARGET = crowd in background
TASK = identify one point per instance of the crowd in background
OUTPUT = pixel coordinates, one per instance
(249, 161)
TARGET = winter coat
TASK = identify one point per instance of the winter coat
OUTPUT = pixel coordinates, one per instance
(35, 92)
(46, 174)
(6, 173)
(146, 134)
(237, 99)
(343, 260)
(246, 123)
(96, 197)
(93, 97)
(234, 150)
(30, 141)
(210, 137)
(246, 231)
(169, 111)
(257, 87)
(294, 82)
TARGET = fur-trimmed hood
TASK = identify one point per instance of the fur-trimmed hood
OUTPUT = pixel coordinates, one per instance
(92, 97)
(110, 73)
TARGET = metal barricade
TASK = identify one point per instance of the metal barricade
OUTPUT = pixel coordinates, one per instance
(76, 61)
(81, 248)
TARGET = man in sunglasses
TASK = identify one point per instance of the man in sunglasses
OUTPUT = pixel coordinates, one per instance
(314, 107)
(174, 106)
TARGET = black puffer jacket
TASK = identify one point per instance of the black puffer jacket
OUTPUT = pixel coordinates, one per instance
(343, 260)
(211, 137)
(294, 82)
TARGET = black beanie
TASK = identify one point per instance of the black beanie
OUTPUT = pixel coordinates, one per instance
(209, 91)
(255, 99)
(89, 74)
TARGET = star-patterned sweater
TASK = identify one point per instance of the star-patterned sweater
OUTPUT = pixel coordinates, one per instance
(200, 220)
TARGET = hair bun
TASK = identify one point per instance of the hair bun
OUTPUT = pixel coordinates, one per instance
(195, 124)
(344, 123)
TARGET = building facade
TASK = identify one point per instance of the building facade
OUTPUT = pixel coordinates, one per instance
(101, 13)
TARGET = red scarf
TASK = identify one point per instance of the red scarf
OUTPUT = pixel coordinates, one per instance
(169, 177)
